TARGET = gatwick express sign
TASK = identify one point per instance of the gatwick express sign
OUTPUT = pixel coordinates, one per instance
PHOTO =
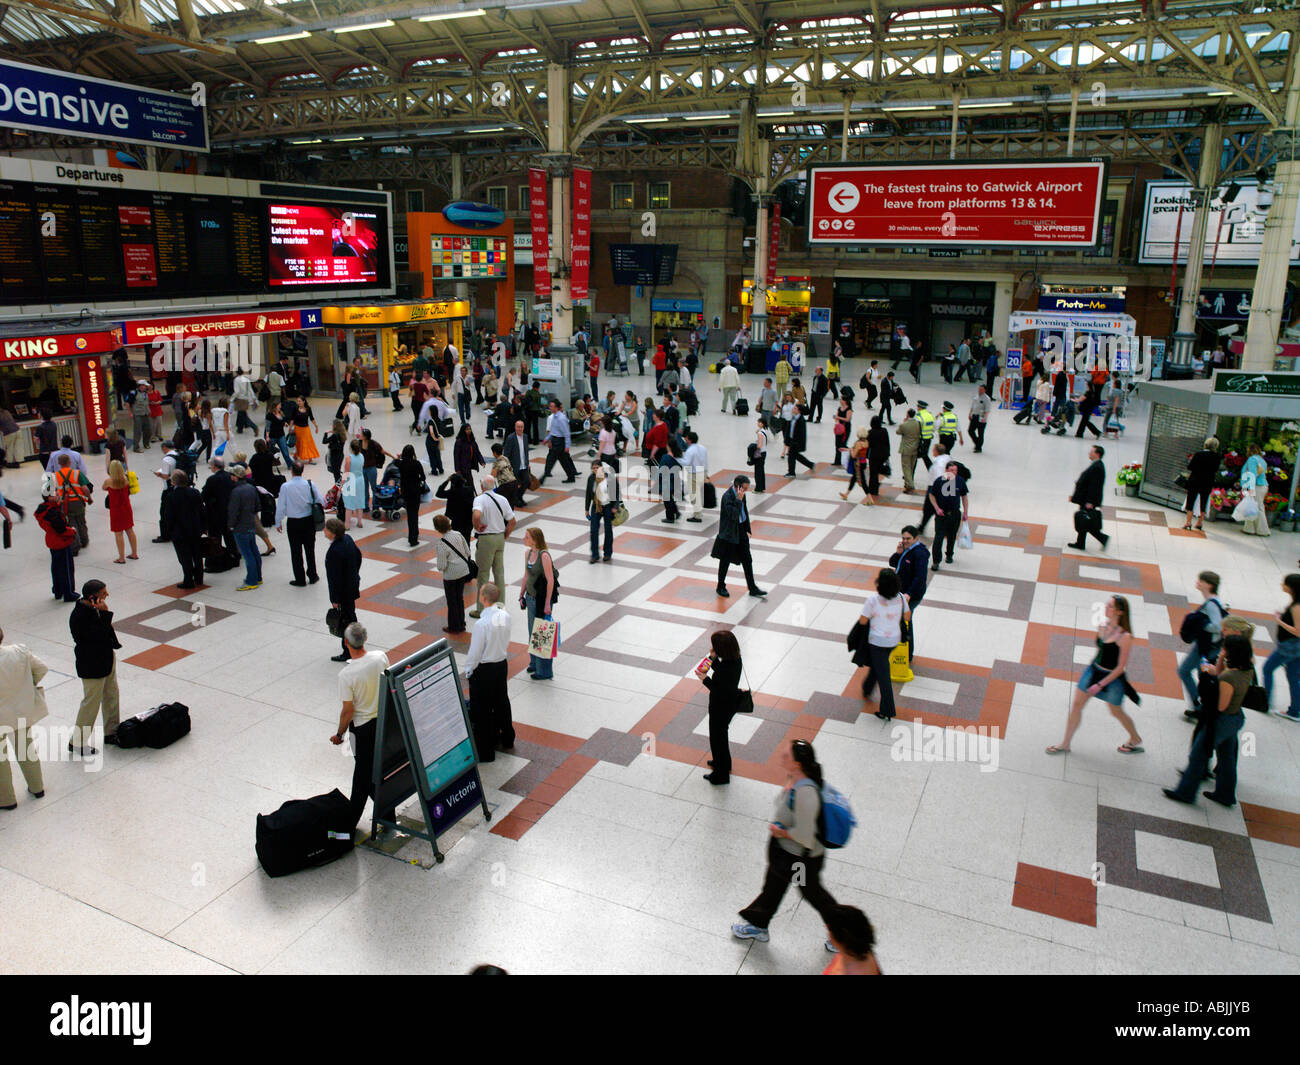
(1021, 204)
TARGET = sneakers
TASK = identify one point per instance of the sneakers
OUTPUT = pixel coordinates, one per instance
(831, 948)
(744, 930)
(249, 587)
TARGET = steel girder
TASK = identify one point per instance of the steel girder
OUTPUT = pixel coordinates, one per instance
(1243, 54)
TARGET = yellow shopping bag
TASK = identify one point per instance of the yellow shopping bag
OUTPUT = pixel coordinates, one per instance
(900, 669)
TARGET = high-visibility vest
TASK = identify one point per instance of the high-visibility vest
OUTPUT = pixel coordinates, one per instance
(68, 481)
(947, 423)
(927, 424)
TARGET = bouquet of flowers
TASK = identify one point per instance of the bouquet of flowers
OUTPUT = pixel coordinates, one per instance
(1225, 498)
(1129, 473)
(1273, 501)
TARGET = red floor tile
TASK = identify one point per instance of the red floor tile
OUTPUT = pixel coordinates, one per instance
(157, 657)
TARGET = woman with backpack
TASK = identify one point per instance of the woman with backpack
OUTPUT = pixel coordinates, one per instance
(793, 845)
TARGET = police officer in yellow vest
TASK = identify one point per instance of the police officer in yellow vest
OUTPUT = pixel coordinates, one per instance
(927, 420)
(949, 427)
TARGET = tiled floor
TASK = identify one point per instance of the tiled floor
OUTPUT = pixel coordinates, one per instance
(607, 852)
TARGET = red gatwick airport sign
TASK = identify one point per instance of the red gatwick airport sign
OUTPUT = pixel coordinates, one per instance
(1025, 204)
(214, 325)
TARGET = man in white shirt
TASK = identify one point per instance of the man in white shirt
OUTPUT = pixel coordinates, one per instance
(294, 503)
(459, 387)
(695, 464)
(274, 385)
(487, 669)
(395, 387)
(244, 399)
(979, 418)
(359, 684)
(493, 522)
(729, 386)
(433, 407)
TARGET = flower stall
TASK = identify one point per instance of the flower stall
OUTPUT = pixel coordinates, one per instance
(1237, 407)
(1129, 477)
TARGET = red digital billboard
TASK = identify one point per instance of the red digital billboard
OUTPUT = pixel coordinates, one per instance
(315, 245)
(1021, 204)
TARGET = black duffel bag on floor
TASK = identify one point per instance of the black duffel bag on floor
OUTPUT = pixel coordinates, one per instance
(304, 833)
(158, 727)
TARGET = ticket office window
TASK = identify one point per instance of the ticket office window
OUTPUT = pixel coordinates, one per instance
(677, 321)
(26, 388)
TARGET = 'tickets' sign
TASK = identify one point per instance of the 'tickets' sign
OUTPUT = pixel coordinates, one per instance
(1025, 204)
(541, 234)
(581, 273)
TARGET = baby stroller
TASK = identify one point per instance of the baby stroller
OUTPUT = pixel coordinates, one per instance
(334, 501)
(386, 499)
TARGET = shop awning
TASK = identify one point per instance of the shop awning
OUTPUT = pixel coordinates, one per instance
(372, 314)
(58, 342)
(1106, 324)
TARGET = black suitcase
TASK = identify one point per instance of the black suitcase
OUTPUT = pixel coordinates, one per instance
(158, 727)
(304, 833)
(710, 495)
(742, 406)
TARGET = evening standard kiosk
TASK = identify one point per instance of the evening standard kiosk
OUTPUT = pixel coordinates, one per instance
(424, 746)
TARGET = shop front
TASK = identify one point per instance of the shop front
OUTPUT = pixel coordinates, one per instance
(675, 314)
(1237, 408)
(202, 351)
(64, 373)
(787, 306)
(870, 315)
(390, 335)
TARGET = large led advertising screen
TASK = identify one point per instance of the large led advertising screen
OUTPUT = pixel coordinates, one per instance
(313, 245)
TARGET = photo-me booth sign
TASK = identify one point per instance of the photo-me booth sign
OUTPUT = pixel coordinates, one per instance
(1234, 235)
(1022, 204)
(424, 745)
(52, 101)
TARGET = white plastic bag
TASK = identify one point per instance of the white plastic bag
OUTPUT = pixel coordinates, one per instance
(1245, 510)
(964, 538)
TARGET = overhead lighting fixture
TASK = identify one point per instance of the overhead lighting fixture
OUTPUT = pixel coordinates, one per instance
(643, 121)
(776, 114)
(970, 106)
(1219, 92)
(313, 140)
(282, 37)
(909, 107)
(339, 139)
(447, 15)
(488, 129)
(381, 25)
(706, 118)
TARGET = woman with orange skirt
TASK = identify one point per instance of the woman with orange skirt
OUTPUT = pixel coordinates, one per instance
(304, 426)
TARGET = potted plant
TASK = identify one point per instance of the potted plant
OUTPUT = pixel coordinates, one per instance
(1287, 519)
(1130, 476)
(1218, 497)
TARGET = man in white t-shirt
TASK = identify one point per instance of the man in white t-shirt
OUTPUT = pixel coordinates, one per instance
(359, 684)
(493, 522)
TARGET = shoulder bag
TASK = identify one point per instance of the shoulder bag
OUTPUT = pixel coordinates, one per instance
(744, 696)
(473, 566)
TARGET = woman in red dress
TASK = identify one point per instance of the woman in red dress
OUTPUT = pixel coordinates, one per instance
(121, 519)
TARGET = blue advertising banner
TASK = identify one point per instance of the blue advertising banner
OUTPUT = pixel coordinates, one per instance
(52, 101)
(454, 801)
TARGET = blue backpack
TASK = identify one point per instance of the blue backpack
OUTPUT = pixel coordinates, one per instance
(835, 820)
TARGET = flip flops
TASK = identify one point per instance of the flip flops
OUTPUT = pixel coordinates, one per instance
(1130, 748)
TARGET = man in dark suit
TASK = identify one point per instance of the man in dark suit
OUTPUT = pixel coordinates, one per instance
(516, 453)
(912, 563)
(343, 577)
(796, 440)
(184, 515)
(732, 542)
(819, 389)
(216, 494)
(1087, 497)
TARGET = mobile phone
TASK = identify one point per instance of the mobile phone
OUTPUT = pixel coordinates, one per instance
(705, 662)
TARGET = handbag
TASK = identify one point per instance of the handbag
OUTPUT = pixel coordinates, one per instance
(620, 514)
(473, 566)
(710, 495)
(533, 482)
(334, 621)
(744, 696)
(1255, 699)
